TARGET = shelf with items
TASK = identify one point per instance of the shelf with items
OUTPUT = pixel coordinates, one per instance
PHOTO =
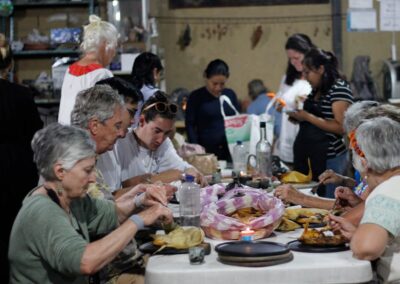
(48, 4)
(45, 53)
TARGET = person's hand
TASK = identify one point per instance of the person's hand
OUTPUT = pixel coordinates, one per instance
(156, 212)
(288, 194)
(330, 177)
(199, 177)
(347, 198)
(300, 115)
(158, 193)
(341, 224)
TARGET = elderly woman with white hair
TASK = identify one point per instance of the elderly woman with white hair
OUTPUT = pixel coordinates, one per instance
(51, 238)
(376, 154)
(99, 46)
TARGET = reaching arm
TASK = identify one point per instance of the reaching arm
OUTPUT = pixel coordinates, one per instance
(289, 194)
(99, 253)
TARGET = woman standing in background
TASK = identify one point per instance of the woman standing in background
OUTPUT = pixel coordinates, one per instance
(146, 74)
(204, 121)
(99, 46)
(320, 137)
(19, 120)
(292, 86)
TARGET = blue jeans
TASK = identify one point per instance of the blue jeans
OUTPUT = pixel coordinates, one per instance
(338, 165)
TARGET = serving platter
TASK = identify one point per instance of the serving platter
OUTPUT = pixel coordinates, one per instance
(299, 246)
(150, 248)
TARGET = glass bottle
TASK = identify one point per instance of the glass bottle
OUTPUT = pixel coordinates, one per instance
(264, 153)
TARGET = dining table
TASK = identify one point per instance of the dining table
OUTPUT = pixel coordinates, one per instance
(306, 267)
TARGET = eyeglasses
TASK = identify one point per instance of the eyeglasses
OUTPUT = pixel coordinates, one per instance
(163, 107)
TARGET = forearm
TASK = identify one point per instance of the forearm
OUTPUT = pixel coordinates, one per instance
(312, 201)
(145, 178)
(103, 251)
(355, 214)
(328, 125)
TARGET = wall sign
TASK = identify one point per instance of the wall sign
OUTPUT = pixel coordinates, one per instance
(226, 3)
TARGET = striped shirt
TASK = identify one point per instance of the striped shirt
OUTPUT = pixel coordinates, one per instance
(340, 91)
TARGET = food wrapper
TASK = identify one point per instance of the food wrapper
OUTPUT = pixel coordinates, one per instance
(215, 215)
(207, 164)
(297, 177)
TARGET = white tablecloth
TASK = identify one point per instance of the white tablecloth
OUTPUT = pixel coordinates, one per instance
(338, 267)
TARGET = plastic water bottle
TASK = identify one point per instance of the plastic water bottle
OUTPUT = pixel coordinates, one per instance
(189, 202)
(239, 157)
(264, 153)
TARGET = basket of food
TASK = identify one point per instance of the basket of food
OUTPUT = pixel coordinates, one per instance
(225, 214)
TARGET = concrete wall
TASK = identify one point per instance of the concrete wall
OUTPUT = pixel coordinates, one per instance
(267, 60)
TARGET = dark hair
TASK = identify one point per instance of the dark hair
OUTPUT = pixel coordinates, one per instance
(300, 43)
(5, 48)
(216, 67)
(142, 69)
(127, 90)
(151, 113)
(316, 58)
(256, 87)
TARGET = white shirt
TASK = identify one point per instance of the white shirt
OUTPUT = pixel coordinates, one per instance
(136, 160)
(108, 164)
(72, 85)
(289, 129)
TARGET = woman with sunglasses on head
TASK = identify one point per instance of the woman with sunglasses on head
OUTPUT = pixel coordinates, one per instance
(320, 138)
(204, 121)
(147, 154)
(99, 46)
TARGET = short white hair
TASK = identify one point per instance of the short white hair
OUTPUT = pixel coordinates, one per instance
(97, 32)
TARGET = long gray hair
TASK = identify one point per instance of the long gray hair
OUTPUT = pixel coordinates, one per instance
(378, 138)
(98, 102)
(60, 143)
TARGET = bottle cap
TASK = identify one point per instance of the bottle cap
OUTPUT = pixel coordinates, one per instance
(189, 178)
(262, 123)
(239, 142)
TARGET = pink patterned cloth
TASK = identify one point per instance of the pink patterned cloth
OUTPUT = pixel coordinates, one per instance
(217, 224)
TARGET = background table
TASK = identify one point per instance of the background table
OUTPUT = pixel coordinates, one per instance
(338, 267)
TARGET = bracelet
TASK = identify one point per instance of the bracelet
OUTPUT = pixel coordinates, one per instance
(138, 221)
(139, 200)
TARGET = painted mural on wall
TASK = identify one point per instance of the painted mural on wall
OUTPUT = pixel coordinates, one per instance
(225, 3)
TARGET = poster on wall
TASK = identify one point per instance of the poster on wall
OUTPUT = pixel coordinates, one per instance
(174, 4)
(390, 15)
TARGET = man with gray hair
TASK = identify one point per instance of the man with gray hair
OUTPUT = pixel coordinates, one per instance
(99, 110)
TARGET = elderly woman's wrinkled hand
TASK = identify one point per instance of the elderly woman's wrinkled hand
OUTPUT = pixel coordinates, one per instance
(341, 224)
(157, 193)
(156, 212)
(287, 193)
(330, 177)
(347, 198)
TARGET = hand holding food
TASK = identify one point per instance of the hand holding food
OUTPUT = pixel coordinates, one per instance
(330, 177)
(340, 224)
(288, 194)
(347, 197)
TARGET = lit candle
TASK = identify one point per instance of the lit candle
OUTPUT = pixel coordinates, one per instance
(247, 235)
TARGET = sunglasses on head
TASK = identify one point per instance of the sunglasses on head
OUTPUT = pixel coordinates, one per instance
(163, 107)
